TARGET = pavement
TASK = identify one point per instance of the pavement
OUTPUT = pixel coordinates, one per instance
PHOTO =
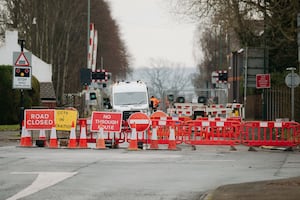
(282, 189)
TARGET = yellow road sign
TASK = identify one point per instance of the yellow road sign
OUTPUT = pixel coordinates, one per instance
(64, 119)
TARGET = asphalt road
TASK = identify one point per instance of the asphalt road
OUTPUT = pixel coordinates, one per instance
(41, 173)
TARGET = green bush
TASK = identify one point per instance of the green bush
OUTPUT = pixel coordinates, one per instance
(10, 100)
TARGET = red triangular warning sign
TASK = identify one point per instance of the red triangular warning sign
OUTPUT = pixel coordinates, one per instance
(22, 60)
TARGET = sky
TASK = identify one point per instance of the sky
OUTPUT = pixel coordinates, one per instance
(150, 32)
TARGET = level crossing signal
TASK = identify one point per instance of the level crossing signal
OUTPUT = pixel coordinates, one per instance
(222, 76)
(87, 76)
(22, 72)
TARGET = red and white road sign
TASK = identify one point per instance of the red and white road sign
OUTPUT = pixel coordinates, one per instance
(22, 60)
(139, 120)
(263, 81)
(38, 119)
(110, 121)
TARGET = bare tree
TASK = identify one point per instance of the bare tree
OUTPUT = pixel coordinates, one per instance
(56, 32)
(164, 77)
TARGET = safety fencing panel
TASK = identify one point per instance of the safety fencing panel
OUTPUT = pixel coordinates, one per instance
(163, 126)
(208, 132)
(270, 133)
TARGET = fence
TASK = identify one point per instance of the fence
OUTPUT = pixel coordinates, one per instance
(208, 131)
(277, 104)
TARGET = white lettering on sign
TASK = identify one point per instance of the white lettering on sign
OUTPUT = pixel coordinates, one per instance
(39, 122)
(109, 127)
(107, 116)
(104, 122)
(39, 116)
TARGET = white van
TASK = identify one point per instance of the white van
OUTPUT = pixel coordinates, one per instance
(130, 97)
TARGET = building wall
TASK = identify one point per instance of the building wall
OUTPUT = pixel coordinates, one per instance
(40, 69)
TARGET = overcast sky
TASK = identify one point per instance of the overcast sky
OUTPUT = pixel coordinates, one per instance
(150, 31)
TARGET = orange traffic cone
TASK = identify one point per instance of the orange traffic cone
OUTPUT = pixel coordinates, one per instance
(72, 140)
(82, 139)
(154, 142)
(100, 144)
(25, 137)
(133, 140)
(172, 141)
(42, 137)
(53, 138)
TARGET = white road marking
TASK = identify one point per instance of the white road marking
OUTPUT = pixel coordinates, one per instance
(42, 181)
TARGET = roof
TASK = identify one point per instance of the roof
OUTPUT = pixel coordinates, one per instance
(47, 91)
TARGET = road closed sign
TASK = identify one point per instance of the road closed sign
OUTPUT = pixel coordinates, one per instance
(37, 119)
(110, 121)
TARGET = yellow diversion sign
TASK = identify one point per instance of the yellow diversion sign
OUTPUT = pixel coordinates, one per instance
(64, 119)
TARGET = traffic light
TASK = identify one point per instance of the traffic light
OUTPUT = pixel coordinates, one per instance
(180, 100)
(93, 96)
(171, 97)
(223, 76)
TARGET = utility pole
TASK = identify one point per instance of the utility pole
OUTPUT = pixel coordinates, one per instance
(88, 31)
(298, 31)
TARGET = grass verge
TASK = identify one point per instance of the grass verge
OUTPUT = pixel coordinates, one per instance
(13, 127)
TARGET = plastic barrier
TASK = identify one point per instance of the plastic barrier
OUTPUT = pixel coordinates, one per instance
(202, 131)
(163, 126)
(270, 133)
(239, 119)
(205, 132)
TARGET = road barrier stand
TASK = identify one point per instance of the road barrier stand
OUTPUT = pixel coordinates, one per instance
(72, 140)
(270, 133)
(53, 138)
(163, 125)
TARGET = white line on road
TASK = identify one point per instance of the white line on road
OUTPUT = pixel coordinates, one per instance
(43, 180)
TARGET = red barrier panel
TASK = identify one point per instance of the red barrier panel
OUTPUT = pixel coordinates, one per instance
(163, 126)
(270, 133)
(204, 132)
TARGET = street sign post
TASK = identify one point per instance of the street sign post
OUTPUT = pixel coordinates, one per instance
(140, 121)
(292, 80)
(22, 77)
(22, 71)
(263, 81)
